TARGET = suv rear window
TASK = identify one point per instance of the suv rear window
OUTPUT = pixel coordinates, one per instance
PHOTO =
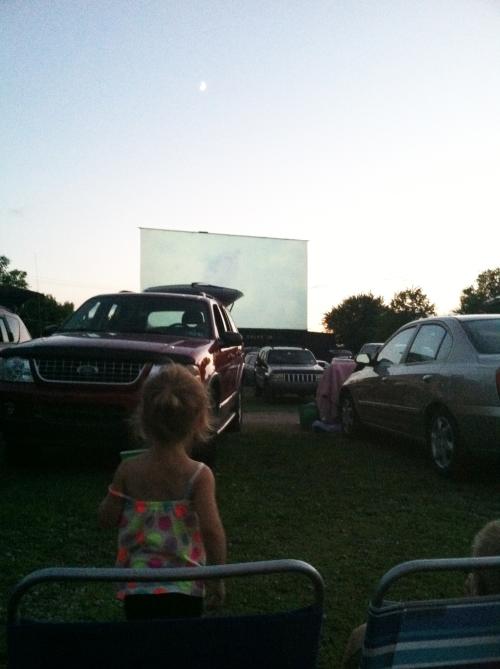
(484, 335)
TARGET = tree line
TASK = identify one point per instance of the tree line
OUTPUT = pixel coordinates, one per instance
(358, 319)
(366, 318)
(38, 311)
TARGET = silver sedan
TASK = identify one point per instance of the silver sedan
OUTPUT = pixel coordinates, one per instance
(436, 380)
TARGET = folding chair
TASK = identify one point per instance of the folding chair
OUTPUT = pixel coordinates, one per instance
(445, 633)
(284, 639)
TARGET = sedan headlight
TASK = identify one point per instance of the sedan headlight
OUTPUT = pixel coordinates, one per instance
(15, 370)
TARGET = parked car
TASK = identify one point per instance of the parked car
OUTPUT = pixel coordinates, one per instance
(286, 370)
(85, 378)
(436, 380)
(341, 353)
(12, 329)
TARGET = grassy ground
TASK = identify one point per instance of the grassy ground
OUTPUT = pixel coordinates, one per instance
(352, 509)
(254, 404)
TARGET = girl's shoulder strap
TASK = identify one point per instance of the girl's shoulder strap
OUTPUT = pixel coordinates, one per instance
(190, 483)
(117, 493)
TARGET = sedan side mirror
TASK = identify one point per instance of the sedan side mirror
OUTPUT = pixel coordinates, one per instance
(363, 359)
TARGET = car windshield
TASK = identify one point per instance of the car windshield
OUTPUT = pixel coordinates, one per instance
(484, 334)
(141, 314)
(291, 357)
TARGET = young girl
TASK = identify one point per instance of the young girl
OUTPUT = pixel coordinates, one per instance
(163, 502)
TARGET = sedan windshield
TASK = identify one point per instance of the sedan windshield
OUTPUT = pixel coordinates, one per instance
(291, 357)
(141, 314)
(484, 334)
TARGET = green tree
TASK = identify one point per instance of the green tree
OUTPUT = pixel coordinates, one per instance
(14, 277)
(473, 299)
(358, 319)
(406, 306)
(39, 311)
(44, 310)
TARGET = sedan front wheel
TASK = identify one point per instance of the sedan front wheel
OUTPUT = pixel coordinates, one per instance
(446, 450)
(351, 425)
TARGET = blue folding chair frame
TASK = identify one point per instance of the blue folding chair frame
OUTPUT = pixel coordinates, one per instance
(288, 639)
(462, 633)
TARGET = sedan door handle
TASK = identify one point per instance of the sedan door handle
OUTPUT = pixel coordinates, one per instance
(427, 377)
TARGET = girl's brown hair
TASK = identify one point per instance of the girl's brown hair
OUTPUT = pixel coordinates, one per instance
(174, 406)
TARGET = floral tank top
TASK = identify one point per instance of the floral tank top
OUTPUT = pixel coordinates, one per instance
(160, 534)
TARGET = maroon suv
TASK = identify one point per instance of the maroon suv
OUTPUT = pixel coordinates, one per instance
(85, 377)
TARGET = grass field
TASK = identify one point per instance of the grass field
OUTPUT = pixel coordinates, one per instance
(352, 509)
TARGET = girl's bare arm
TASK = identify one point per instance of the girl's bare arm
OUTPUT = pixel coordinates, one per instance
(111, 507)
(212, 530)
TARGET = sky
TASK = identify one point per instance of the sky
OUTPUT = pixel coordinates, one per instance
(370, 129)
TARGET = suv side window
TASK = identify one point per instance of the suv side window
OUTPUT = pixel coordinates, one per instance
(4, 337)
(219, 322)
(13, 326)
(393, 351)
(426, 345)
(230, 326)
(25, 335)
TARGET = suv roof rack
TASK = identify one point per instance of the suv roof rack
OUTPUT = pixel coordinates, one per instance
(226, 296)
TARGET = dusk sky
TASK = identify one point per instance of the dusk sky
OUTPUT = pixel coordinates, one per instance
(370, 129)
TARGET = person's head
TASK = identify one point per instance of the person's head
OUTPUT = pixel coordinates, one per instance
(174, 407)
(486, 543)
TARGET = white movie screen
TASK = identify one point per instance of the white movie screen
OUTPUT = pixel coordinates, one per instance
(272, 273)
